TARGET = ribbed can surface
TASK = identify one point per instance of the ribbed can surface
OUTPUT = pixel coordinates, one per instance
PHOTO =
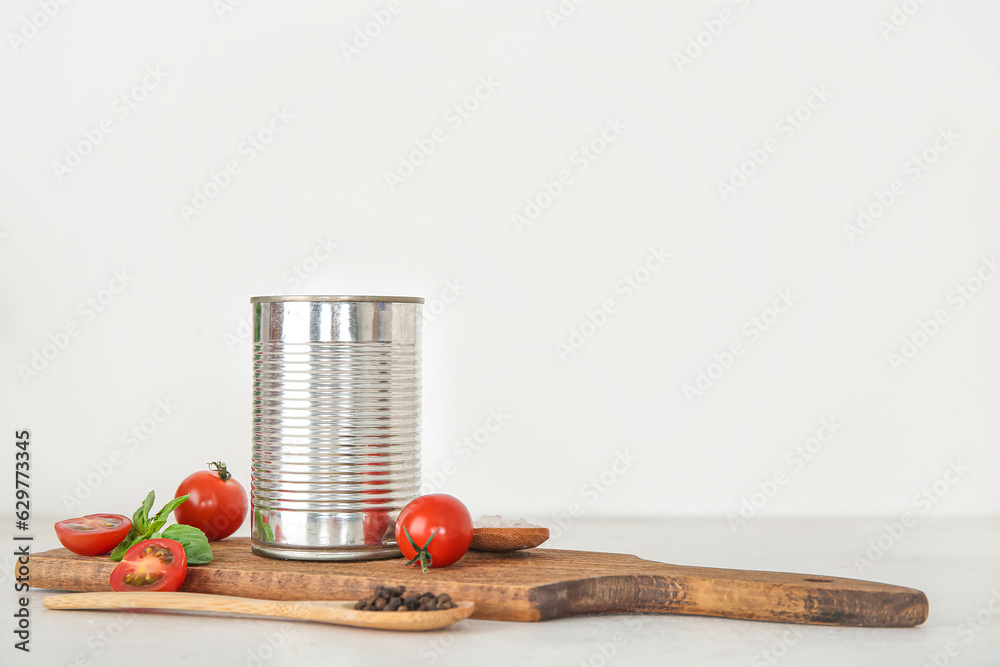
(336, 424)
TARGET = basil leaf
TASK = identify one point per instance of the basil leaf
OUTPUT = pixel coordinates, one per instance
(133, 537)
(140, 519)
(264, 531)
(195, 544)
(119, 552)
(161, 517)
(140, 528)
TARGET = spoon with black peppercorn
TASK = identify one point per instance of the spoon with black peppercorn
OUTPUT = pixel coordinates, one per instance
(319, 611)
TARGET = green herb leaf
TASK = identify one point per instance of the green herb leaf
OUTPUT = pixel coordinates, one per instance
(119, 552)
(161, 517)
(196, 547)
(264, 531)
(144, 529)
(140, 519)
(140, 527)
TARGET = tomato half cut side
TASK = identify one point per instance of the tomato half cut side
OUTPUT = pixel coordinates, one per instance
(94, 534)
(151, 565)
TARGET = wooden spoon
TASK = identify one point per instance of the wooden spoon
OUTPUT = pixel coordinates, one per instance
(508, 539)
(337, 613)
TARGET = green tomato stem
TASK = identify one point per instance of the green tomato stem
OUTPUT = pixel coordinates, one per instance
(423, 555)
(220, 467)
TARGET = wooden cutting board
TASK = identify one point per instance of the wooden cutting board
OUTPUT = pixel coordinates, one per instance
(531, 585)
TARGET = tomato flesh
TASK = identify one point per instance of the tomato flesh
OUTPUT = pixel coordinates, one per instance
(93, 534)
(439, 515)
(151, 565)
(217, 506)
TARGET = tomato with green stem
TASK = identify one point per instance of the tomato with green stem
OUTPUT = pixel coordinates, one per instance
(434, 530)
(93, 534)
(217, 503)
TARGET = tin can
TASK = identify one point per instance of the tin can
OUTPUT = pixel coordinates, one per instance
(336, 424)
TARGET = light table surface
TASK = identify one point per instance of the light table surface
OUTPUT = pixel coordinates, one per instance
(956, 562)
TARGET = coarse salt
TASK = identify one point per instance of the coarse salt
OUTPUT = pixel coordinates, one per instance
(497, 521)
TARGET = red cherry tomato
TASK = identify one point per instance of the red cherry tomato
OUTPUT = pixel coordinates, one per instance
(151, 565)
(93, 534)
(440, 520)
(218, 503)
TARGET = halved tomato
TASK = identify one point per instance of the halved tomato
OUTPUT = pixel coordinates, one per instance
(93, 534)
(151, 565)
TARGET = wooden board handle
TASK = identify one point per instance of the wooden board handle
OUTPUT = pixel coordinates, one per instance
(752, 595)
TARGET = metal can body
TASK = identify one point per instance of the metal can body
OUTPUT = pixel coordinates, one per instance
(336, 424)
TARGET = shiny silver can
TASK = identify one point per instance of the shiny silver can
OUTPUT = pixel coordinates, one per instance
(336, 424)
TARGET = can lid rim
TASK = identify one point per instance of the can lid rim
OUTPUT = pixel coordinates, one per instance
(329, 297)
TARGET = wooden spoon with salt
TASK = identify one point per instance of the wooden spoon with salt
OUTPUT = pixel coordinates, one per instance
(508, 539)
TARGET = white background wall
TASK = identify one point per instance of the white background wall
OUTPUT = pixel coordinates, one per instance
(176, 332)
